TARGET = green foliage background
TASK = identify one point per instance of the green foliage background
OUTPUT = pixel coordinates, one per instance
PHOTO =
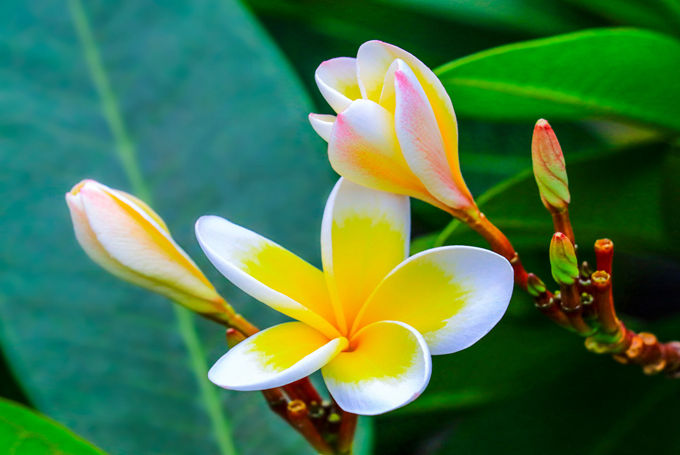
(200, 107)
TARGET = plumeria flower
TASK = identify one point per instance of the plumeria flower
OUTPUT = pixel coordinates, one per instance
(127, 238)
(372, 318)
(395, 128)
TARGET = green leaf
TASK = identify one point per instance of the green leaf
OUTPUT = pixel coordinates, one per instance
(189, 105)
(662, 15)
(521, 15)
(24, 432)
(620, 196)
(623, 74)
(311, 31)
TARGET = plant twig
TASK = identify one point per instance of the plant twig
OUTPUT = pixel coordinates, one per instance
(348, 425)
(298, 416)
(612, 336)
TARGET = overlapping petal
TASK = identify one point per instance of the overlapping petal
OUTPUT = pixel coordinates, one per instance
(268, 272)
(373, 61)
(388, 365)
(364, 235)
(322, 124)
(274, 357)
(363, 147)
(421, 141)
(337, 81)
(452, 295)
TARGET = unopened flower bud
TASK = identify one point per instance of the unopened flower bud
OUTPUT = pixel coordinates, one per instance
(127, 238)
(549, 168)
(563, 263)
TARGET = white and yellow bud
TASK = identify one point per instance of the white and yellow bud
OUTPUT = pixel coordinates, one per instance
(127, 238)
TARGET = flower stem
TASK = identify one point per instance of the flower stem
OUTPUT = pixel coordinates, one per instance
(562, 223)
(501, 245)
(298, 416)
(612, 336)
(348, 425)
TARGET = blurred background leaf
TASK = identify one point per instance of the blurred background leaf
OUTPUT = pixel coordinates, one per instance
(25, 432)
(661, 15)
(617, 73)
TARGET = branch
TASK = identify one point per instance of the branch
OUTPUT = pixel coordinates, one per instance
(589, 297)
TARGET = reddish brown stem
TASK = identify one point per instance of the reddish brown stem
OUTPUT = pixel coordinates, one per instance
(562, 224)
(604, 302)
(277, 402)
(614, 337)
(348, 425)
(303, 390)
(501, 245)
(298, 416)
(604, 254)
(571, 304)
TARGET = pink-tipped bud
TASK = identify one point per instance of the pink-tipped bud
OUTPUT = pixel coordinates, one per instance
(563, 262)
(549, 168)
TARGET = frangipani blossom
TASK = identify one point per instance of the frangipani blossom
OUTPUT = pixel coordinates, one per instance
(126, 237)
(372, 318)
(395, 128)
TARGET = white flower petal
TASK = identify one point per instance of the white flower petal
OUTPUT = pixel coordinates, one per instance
(363, 148)
(422, 144)
(453, 295)
(388, 366)
(322, 124)
(268, 272)
(337, 81)
(274, 357)
(364, 235)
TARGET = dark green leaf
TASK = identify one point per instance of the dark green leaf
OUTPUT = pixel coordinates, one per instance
(311, 31)
(24, 432)
(617, 73)
(205, 116)
(526, 15)
(662, 15)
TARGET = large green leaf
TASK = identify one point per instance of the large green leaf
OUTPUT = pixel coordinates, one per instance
(662, 15)
(533, 16)
(189, 105)
(618, 73)
(24, 432)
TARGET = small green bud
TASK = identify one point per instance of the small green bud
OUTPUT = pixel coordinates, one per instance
(549, 168)
(563, 263)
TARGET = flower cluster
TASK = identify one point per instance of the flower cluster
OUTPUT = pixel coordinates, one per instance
(371, 318)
